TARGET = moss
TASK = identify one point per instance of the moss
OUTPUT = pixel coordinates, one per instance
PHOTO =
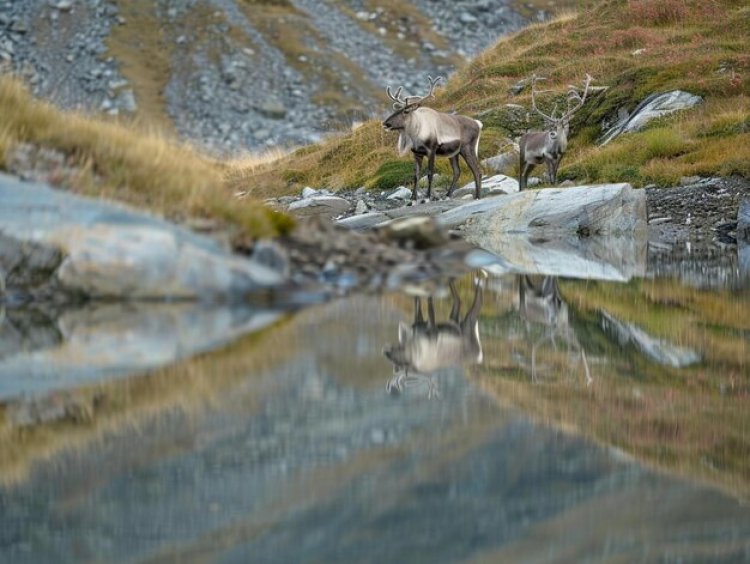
(391, 174)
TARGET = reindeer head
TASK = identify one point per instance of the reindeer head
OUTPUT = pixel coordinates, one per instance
(558, 127)
(405, 106)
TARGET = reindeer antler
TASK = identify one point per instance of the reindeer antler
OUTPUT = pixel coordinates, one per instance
(574, 96)
(398, 101)
(430, 94)
(534, 92)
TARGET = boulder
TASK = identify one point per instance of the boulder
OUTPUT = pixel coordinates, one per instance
(103, 249)
(494, 185)
(500, 162)
(328, 206)
(655, 106)
(400, 193)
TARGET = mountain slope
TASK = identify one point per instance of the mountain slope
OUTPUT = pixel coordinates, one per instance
(635, 48)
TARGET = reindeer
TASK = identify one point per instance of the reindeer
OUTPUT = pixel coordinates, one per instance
(429, 133)
(537, 147)
(541, 303)
(427, 346)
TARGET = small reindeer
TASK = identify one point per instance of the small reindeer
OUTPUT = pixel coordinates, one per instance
(427, 346)
(537, 147)
(429, 133)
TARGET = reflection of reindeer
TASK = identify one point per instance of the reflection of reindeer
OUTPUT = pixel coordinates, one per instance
(427, 346)
(541, 303)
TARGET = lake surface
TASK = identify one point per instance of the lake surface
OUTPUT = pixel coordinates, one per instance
(548, 420)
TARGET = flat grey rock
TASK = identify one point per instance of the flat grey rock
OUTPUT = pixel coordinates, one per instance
(654, 106)
(110, 250)
(321, 204)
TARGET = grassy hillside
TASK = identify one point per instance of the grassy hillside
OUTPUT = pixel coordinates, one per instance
(131, 164)
(634, 47)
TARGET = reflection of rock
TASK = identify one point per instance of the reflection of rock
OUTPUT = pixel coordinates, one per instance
(655, 106)
(107, 341)
(110, 250)
(657, 350)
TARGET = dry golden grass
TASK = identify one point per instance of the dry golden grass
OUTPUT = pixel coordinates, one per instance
(699, 47)
(127, 163)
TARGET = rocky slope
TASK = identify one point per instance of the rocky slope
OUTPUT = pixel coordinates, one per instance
(233, 75)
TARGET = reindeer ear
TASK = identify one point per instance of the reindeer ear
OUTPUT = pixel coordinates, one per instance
(405, 332)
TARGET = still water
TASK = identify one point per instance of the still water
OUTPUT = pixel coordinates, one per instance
(502, 419)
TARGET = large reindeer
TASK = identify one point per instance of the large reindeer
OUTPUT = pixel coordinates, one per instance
(427, 346)
(429, 133)
(537, 147)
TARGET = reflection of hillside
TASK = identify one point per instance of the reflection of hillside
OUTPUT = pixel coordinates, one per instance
(693, 420)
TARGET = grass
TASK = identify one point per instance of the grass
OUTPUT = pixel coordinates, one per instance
(128, 163)
(691, 45)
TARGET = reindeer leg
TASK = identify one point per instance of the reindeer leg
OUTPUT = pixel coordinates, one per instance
(550, 170)
(431, 313)
(476, 306)
(555, 166)
(418, 319)
(473, 163)
(430, 173)
(525, 170)
(456, 173)
(456, 307)
(417, 169)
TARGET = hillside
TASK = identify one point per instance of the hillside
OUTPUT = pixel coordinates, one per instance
(233, 75)
(635, 48)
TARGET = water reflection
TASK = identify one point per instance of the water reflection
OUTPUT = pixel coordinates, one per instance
(425, 347)
(540, 303)
(282, 447)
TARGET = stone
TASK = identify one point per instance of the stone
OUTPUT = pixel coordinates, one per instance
(658, 350)
(495, 185)
(273, 256)
(688, 180)
(654, 106)
(400, 193)
(361, 207)
(500, 162)
(273, 109)
(423, 232)
(604, 209)
(110, 250)
(323, 205)
(308, 192)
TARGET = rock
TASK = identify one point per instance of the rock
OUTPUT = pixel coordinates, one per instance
(272, 109)
(566, 183)
(604, 209)
(422, 232)
(688, 180)
(400, 193)
(109, 250)
(500, 162)
(657, 350)
(532, 181)
(328, 206)
(126, 101)
(498, 184)
(308, 192)
(361, 207)
(273, 256)
(655, 106)
(363, 221)
(467, 18)
(63, 5)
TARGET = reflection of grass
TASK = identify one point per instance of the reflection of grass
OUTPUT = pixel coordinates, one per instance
(693, 420)
(188, 386)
